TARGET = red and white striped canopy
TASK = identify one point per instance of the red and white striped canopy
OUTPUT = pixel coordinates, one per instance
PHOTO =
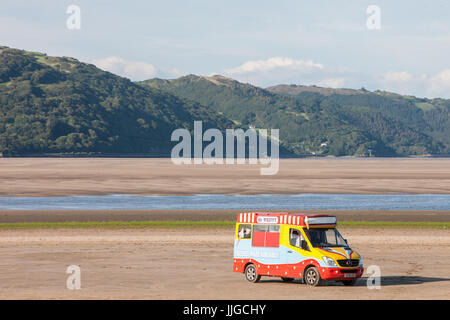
(286, 218)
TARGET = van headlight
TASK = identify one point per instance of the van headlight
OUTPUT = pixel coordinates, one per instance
(329, 262)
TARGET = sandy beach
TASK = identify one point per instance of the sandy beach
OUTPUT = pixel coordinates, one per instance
(100, 176)
(197, 264)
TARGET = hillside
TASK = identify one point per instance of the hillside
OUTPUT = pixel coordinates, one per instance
(325, 121)
(428, 116)
(60, 105)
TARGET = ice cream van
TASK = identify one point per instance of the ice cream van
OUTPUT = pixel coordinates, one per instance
(293, 246)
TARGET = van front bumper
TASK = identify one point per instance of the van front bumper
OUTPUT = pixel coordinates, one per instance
(341, 273)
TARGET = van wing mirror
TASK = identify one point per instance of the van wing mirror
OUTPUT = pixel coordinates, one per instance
(304, 244)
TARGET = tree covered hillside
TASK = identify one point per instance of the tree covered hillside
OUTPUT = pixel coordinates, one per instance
(429, 116)
(350, 122)
(60, 105)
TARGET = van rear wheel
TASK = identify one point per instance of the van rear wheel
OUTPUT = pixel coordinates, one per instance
(312, 277)
(250, 273)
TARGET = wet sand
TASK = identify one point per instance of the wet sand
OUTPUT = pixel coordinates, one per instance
(100, 176)
(197, 264)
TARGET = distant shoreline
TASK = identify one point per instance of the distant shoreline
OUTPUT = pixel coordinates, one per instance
(167, 156)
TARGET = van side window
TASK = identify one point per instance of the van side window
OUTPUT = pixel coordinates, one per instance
(295, 238)
(266, 235)
(245, 231)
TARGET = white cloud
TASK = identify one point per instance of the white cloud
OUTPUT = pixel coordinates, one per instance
(273, 64)
(282, 70)
(427, 85)
(398, 77)
(134, 70)
(440, 83)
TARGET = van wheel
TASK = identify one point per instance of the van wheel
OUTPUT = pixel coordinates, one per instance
(251, 274)
(349, 282)
(312, 276)
(287, 279)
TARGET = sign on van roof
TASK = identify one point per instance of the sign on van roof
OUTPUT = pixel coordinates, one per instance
(287, 218)
(266, 219)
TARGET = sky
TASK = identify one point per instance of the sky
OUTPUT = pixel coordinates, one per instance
(399, 46)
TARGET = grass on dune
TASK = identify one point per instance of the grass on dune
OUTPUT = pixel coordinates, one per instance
(207, 224)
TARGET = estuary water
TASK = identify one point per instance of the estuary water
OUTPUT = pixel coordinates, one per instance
(243, 202)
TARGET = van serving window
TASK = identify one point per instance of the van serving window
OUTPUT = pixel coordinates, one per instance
(267, 235)
(245, 231)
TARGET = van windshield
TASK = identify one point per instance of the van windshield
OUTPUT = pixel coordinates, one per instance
(325, 238)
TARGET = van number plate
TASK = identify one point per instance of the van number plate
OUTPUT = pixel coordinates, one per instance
(350, 275)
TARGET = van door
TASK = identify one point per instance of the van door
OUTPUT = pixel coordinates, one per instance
(295, 253)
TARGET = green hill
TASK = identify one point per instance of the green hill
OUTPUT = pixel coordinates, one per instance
(325, 121)
(430, 117)
(60, 105)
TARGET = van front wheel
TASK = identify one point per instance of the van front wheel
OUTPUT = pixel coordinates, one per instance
(251, 274)
(312, 276)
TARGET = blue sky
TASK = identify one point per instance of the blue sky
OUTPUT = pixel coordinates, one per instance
(326, 43)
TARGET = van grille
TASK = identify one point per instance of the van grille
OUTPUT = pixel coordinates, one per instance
(348, 263)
